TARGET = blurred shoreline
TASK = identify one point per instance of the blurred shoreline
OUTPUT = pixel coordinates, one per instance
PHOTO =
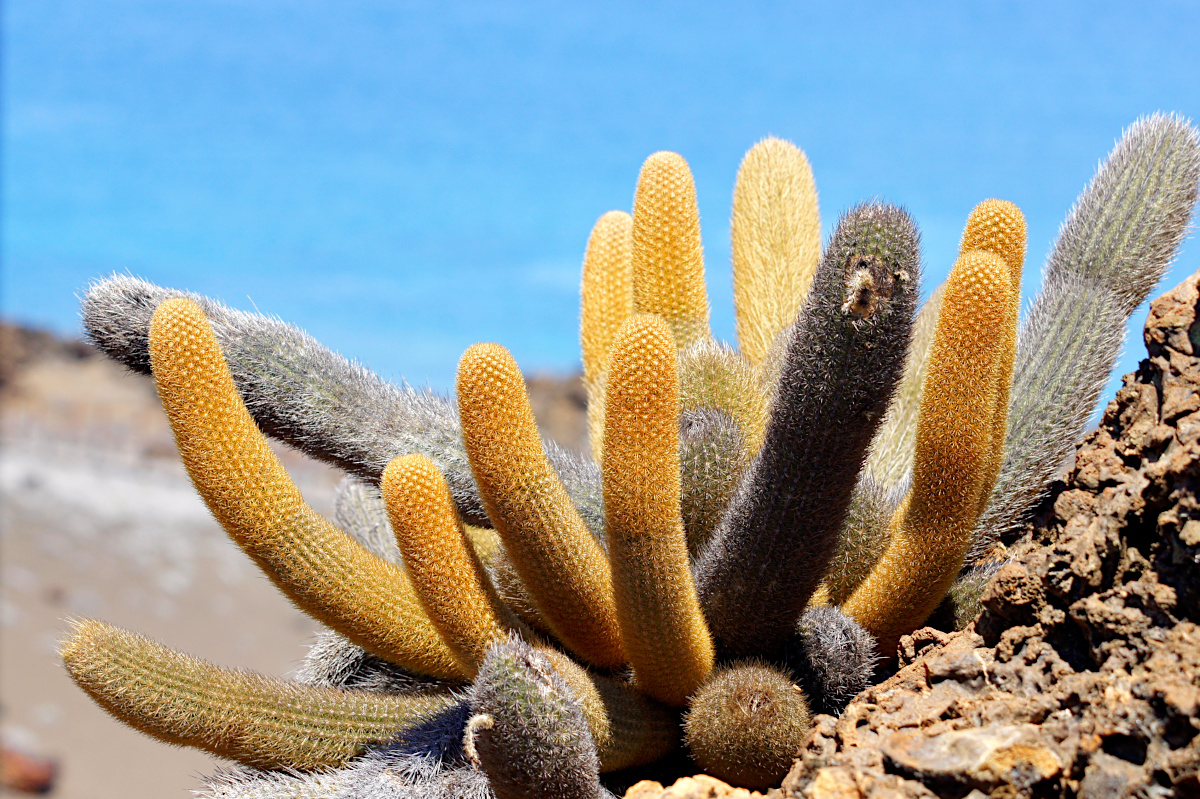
(98, 518)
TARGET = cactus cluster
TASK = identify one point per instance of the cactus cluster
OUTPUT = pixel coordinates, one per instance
(753, 534)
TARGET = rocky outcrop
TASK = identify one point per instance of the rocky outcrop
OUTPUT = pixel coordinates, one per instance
(1082, 675)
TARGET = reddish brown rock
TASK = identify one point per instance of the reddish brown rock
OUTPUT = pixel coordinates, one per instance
(1082, 675)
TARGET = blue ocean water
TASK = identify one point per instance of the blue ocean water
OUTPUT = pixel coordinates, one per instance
(405, 179)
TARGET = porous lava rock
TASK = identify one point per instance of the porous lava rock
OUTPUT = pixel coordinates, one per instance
(1081, 677)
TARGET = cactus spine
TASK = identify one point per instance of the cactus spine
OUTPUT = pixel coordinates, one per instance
(248, 491)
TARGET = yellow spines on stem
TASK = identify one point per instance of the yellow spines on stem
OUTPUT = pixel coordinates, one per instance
(668, 259)
(253, 719)
(558, 560)
(776, 242)
(441, 562)
(998, 226)
(663, 630)
(931, 530)
(316, 565)
(714, 375)
(607, 301)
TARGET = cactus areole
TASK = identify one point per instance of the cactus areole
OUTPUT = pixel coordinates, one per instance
(751, 535)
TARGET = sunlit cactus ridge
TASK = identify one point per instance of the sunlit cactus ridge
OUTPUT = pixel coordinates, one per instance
(754, 531)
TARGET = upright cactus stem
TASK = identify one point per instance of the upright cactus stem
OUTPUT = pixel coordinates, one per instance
(931, 530)
(445, 571)
(527, 732)
(776, 231)
(561, 564)
(662, 629)
(668, 260)
(607, 301)
(1120, 237)
(844, 357)
(998, 227)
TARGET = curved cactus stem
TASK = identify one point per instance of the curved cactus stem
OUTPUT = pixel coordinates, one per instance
(668, 259)
(931, 530)
(776, 230)
(561, 564)
(606, 302)
(247, 717)
(846, 353)
(329, 407)
(446, 573)
(662, 628)
(317, 566)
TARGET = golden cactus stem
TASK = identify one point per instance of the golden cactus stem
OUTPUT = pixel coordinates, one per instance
(931, 530)
(557, 558)
(662, 626)
(776, 242)
(629, 728)
(714, 375)
(444, 568)
(668, 259)
(253, 719)
(320, 568)
(606, 302)
(998, 226)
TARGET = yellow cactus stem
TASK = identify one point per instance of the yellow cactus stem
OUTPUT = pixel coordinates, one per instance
(629, 728)
(714, 375)
(662, 626)
(776, 242)
(668, 260)
(998, 226)
(441, 562)
(557, 558)
(253, 719)
(931, 530)
(320, 568)
(607, 301)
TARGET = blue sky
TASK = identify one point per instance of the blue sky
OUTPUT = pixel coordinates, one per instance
(403, 180)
